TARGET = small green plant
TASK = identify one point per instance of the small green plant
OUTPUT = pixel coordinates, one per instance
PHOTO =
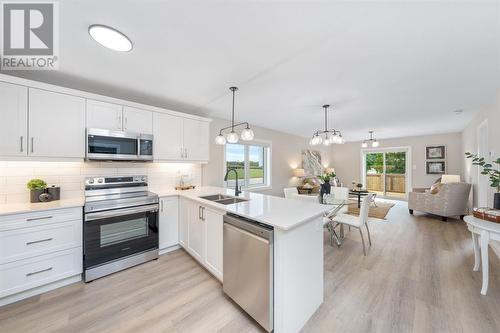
(325, 178)
(488, 169)
(37, 184)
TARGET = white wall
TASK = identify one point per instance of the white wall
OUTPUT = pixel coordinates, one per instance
(346, 159)
(491, 114)
(70, 176)
(286, 155)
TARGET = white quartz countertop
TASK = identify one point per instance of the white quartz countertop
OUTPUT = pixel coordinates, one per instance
(17, 208)
(278, 212)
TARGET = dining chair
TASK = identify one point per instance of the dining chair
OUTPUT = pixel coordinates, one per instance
(358, 221)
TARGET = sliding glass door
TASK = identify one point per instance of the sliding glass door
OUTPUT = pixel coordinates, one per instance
(386, 172)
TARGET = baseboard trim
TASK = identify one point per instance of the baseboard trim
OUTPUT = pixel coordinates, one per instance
(40, 290)
(169, 249)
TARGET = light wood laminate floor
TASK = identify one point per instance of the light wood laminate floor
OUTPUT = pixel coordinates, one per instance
(417, 277)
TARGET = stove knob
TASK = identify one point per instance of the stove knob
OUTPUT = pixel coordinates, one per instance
(100, 180)
(143, 179)
(91, 181)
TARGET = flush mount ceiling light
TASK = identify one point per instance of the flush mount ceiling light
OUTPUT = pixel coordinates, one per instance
(374, 142)
(110, 38)
(326, 136)
(233, 137)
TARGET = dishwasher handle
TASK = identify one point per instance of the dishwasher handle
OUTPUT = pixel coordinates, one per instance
(252, 227)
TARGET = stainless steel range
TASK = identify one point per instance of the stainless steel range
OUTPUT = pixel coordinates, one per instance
(120, 228)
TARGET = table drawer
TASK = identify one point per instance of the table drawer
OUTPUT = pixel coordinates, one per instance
(25, 274)
(27, 220)
(22, 243)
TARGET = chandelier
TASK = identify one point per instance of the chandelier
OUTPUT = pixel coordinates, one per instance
(373, 142)
(326, 136)
(233, 137)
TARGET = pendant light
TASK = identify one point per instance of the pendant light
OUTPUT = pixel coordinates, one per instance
(326, 136)
(232, 136)
(373, 142)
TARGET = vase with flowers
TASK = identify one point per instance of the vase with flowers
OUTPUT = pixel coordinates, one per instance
(326, 187)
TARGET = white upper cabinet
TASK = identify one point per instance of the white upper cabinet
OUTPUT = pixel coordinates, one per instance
(167, 131)
(14, 120)
(104, 115)
(196, 140)
(56, 124)
(188, 139)
(137, 120)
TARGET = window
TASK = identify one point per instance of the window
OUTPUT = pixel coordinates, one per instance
(251, 161)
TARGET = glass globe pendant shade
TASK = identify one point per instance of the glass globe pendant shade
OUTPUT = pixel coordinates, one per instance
(232, 137)
(326, 141)
(247, 134)
(318, 140)
(364, 144)
(341, 140)
(375, 143)
(220, 140)
(333, 139)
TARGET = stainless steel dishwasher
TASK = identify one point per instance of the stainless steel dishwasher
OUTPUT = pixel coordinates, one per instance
(248, 267)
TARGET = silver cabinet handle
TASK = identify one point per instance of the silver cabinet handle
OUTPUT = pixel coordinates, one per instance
(203, 213)
(38, 218)
(182, 152)
(119, 122)
(32, 143)
(21, 139)
(185, 153)
(161, 204)
(39, 241)
(38, 272)
(125, 122)
(199, 212)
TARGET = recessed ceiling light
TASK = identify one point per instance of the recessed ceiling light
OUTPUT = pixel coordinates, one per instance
(110, 38)
(459, 111)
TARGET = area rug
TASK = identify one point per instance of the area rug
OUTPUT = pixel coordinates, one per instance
(379, 212)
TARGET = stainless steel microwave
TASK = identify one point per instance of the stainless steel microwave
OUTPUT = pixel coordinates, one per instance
(107, 145)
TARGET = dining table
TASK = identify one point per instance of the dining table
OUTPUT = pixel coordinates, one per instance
(338, 206)
(358, 194)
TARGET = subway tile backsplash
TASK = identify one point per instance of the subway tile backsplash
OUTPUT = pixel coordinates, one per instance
(70, 176)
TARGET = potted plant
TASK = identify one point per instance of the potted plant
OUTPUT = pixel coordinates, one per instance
(325, 186)
(37, 187)
(492, 173)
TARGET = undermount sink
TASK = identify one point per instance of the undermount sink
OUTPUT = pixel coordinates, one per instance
(223, 199)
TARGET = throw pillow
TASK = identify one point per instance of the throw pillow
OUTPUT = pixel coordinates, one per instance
(435, 188)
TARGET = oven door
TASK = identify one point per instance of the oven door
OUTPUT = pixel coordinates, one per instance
(111, 145)
(114, 234)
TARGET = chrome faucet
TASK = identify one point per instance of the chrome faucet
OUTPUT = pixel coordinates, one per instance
(237, 190)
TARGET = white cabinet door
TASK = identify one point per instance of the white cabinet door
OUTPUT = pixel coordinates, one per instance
(104, 115)
(137, 120)
(196, 140)
(14, 123)
(184, 212)
(214, 232)
(167, 131)
(56, 124)
(196, 233)
(169, 222)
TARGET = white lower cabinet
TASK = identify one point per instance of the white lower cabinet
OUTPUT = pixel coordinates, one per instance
(168, 222)
(196, 232)
(213, 246)
(200, 233)
(39, 251)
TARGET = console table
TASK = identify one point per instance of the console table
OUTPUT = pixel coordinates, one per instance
(482, 231)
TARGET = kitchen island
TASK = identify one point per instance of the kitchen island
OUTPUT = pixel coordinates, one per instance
(298, 247)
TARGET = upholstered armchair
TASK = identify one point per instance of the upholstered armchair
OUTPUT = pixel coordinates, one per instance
(450, 200)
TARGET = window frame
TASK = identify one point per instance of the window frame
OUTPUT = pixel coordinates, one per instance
(267, 185)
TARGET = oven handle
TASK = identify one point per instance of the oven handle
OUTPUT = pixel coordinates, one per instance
(120, 212)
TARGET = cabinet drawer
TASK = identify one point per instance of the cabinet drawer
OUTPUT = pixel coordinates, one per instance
(34, 272)
(22, 243)
(33, 219)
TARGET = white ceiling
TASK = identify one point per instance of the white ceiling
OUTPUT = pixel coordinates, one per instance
(400, 68)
